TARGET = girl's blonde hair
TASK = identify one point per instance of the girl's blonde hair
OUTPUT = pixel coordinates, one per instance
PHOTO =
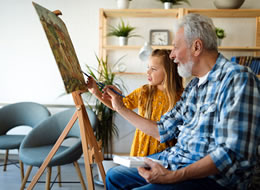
(172, 82)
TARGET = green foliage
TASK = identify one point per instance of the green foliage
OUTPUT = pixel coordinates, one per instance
(220, 33)
(176, 2)
(122, 29)
(106, 129)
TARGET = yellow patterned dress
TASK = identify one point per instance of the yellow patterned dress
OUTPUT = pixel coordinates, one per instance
(143, 144)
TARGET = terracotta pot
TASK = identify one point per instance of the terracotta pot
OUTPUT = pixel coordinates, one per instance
(228, 4)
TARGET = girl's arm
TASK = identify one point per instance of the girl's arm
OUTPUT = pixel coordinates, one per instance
(93, 89)
(146, 125)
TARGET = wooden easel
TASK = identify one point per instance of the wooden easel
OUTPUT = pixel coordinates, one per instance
(91, 150)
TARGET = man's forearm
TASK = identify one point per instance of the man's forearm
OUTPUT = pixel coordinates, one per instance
(200, 169)
(149, 127)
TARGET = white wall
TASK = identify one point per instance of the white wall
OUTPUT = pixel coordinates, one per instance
(28, 71)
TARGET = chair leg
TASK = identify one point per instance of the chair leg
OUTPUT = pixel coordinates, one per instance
(48, 179)
(6, 159)
(59, 176)
(26, 177)
(21, 170)
(76, 165)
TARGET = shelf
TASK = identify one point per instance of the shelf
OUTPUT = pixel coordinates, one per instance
(114, 13)
(174, 13)
(230, 13)
(236, 48)
(128, 73)
(222, 48)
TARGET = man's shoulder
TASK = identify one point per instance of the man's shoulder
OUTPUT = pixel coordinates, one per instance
(231, 70)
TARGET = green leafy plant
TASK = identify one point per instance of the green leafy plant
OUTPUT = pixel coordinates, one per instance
(106, 128)
(176, 2)
(220, 33)
(122, 29)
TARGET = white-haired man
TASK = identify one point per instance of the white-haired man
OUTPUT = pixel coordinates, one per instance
(216, 122)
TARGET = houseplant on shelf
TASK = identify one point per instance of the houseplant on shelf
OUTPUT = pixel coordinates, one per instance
(169, 3)
(220, 35)
(123, 31)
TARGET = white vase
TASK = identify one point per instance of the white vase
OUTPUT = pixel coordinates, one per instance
(219, 41)
(228, 4)
(122, 4)
(123, 41)
(167, 5)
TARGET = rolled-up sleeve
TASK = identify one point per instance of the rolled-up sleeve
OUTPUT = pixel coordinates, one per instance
(237, 133)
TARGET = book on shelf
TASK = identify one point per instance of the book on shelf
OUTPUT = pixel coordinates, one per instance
(248, 61)
(132, 161)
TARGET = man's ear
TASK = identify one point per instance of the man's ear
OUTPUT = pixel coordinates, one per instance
(197, 47)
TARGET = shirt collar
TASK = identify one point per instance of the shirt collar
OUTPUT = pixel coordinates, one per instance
(215, 72)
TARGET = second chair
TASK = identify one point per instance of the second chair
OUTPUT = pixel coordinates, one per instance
(39, 142)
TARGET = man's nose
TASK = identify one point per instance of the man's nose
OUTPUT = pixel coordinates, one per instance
(172, 55)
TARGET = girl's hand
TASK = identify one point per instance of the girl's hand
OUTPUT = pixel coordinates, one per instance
(92, 85)
(116, 100)
(155, 174)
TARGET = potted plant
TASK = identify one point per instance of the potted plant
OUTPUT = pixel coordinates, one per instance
(220, 35)
(123, 4)
(106, 128)
(169, 3)
(123, 31)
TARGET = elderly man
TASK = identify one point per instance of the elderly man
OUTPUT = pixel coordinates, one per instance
(216, 122)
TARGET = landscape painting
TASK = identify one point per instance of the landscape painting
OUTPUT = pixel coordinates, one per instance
(62, 49)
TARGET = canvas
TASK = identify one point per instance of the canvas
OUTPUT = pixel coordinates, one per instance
(62, 49)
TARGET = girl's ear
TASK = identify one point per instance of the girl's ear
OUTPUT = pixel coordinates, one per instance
(197, 47)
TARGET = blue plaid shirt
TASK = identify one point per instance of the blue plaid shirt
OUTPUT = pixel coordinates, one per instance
(220, 118)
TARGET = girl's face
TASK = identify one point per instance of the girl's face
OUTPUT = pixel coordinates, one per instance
(155, 72)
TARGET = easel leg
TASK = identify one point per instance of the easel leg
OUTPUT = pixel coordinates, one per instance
(53, 151)
(85, 148)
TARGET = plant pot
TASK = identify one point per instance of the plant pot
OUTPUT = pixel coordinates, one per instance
(107, 164)
(123, 41)
(219, 41)
(122, 4)
(167, 5)
(228, 4)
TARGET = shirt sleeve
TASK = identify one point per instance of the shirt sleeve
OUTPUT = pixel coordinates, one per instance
(168, 124)
(237, 133)
(131, 101)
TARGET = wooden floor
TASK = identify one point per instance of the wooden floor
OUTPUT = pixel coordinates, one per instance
(11, 180)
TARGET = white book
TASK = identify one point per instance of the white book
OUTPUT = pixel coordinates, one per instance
(132, 161)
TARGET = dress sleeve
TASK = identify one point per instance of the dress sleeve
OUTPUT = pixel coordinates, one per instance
(131, 101)
(238, 130)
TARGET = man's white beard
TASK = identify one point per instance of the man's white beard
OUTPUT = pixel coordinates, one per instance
(185, 70)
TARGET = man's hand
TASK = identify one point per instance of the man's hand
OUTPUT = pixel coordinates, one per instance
(156, 173)
(115, 99)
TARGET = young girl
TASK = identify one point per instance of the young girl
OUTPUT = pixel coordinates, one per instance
(152, 100)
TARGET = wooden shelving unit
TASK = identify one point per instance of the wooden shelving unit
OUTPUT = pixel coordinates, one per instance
(105, 14)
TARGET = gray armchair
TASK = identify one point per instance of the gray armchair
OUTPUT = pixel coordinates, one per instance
(18, 114)
(39, 142)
